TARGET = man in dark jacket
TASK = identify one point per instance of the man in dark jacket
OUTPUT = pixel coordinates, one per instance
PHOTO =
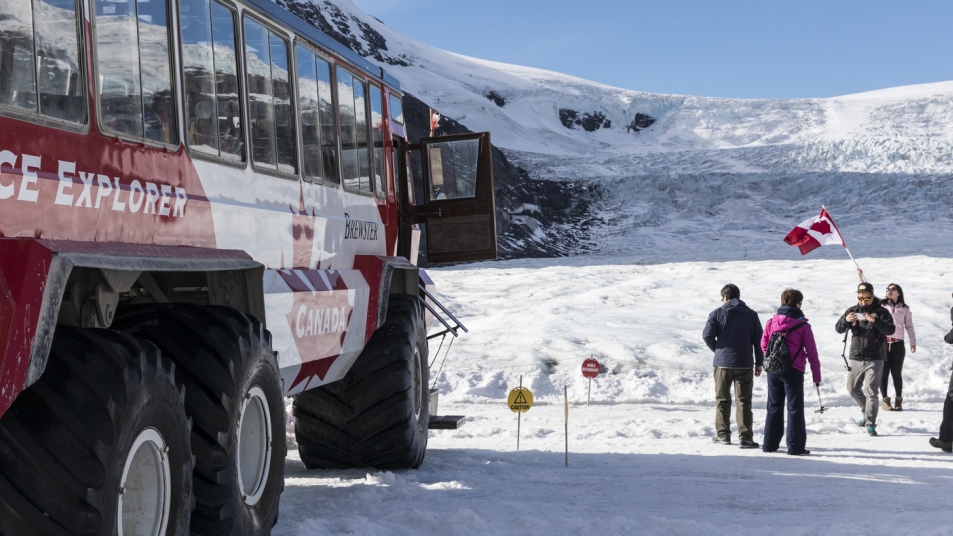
(733, 332)
(945, 443)
(869, 324)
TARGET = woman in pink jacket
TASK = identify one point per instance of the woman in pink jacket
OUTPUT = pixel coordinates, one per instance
(903, 319)
(790, 386)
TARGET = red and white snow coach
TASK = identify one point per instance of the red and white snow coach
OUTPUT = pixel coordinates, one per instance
(205, 205)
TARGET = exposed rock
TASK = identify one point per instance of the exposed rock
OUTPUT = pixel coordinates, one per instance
(589, 122)
(495, 97)
(329, 18)
(640, 122)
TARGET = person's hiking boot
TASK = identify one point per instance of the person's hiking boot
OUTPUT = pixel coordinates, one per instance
(804, 452)
(897, 404)
(862, 423)
(872, 430)
(748, 444)
(945, 446)
(887, 405)
(721, 440)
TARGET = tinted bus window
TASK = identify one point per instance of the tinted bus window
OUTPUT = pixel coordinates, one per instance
(308, 110)
(284, 113)
(345, 90)
(231, 140)
(269, 98)
(363, 179)
(48, 30)
(198, 68)
(396, 110)
(133, 68)
(329, 134)
(210, 74)
(317, 116)
(377, 139)
(352, 112)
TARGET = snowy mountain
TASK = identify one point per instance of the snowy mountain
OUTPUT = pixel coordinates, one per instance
(659, 173)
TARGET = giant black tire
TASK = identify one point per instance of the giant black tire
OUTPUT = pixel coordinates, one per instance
(222, 356)
(65, 441)
(378, 414)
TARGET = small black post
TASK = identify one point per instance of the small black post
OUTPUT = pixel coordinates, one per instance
(566, 400)
(519, 417)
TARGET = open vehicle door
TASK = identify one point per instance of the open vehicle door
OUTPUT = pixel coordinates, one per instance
(457, 203)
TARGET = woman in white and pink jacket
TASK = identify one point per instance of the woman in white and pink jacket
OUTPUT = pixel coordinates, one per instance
(903, 319)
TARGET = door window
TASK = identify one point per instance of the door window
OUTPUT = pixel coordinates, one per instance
(453, 169)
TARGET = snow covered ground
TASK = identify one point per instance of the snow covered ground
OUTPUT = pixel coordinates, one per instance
(641, 457)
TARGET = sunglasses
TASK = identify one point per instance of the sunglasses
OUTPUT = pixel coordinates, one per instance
(865, 298)
(889, 289)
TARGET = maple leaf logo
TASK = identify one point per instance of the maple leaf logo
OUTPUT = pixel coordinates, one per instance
(319, 319)
(822, 227)
(302, 226)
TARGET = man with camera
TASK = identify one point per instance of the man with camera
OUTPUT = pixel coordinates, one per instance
(733, 332)
(870, 324)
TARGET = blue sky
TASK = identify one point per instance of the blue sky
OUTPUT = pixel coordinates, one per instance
(740, 48)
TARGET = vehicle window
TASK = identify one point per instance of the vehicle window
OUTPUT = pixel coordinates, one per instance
(134, 70)
(308, 109)
(284, 115)
(352, 113)
(363, 179)
(377, 138)
(396, 110)
(231, 139)
(47, 30)
(210, 73)
(453, 169)
(272, 128)
(345, 90)
(329, 134)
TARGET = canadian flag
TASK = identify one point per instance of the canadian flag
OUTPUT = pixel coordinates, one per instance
(814, 233)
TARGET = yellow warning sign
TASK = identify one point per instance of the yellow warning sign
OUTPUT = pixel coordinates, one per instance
(520, 400)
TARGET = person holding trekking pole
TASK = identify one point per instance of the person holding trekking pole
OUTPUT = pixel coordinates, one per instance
(869, 325)
(788, 340)
(945, 442)
(903, 320)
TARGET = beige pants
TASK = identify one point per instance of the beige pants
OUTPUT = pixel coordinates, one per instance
(743, 380)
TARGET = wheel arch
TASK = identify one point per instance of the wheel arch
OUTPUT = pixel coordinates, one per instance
(38, 277)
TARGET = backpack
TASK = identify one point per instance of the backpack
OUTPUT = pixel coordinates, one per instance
(778, 359)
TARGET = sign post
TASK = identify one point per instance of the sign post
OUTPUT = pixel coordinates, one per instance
(566, 400)
(590, 369)
(519, 401)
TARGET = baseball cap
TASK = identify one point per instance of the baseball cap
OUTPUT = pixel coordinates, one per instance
(865, 287)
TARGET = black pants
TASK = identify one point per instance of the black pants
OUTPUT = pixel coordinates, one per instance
(946, 429)
(781, 386)
(894, 365)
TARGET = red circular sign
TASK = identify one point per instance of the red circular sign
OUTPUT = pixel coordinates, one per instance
(590, 368)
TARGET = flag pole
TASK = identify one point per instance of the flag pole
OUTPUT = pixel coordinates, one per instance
(859, 271)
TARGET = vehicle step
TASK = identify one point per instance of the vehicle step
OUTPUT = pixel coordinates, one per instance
(446, 422)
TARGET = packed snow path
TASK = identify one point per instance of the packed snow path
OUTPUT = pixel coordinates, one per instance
(641, 458)
(637, 469)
